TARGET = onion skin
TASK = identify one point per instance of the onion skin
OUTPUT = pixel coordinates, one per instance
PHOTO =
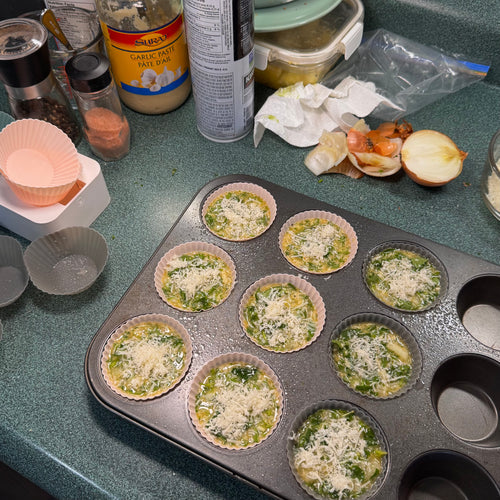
(448, 156)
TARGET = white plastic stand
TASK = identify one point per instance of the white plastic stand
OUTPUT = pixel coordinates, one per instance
(80, 210)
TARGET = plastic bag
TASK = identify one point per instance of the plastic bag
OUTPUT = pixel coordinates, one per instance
(408, 74)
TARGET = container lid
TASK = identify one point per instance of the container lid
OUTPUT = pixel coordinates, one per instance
(340, 30)
(24, 54)
(88, 72)
(292, 14)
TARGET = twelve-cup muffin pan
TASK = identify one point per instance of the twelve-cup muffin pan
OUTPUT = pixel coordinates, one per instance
(442, 434)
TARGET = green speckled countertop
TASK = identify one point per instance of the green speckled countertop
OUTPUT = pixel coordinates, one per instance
(52, 430)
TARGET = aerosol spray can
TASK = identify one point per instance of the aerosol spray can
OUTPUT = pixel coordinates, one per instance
(220, 36)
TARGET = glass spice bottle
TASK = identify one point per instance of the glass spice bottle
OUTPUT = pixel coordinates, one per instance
(32, 89)
(105, 127)
(147, 49)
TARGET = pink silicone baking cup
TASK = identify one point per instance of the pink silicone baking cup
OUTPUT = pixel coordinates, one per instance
(234, 357)
(185, 248)
(320, 214)
(247, 187)
(38, 161)
(157, 318)
(304, 286)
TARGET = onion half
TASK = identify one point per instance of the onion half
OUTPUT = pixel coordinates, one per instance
(431, 158)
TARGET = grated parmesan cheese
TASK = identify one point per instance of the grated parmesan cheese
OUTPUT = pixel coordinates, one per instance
(494, 190)
(280, 317)
(372, 359)
(196, 281)
(237, 411)
(403, 279)
(238, 215)
(332, 455)
(316, 245)
(146, 359)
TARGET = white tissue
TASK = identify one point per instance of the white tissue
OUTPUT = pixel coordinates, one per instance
(299, 114)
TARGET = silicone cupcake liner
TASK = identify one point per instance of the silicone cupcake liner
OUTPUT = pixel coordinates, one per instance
(158, 318)
(299, 283)
(397, 328)
(360, 413)
(321, 214)
(235, 357)
(38, 160)
(185, 248)
(13, 273)
(423, 252)
(67, 261)
(241, 186)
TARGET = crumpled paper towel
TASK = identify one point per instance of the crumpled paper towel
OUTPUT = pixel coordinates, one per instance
(299, 114)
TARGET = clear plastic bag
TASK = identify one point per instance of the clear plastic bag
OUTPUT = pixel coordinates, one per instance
(408, 74)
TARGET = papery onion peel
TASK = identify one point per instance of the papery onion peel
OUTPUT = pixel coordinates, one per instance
(431, 158)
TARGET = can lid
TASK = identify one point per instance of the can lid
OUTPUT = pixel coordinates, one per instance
(24, 53)
(88, 72)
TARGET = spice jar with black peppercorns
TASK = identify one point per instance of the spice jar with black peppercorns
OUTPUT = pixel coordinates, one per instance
(31, 86)
(104, 125)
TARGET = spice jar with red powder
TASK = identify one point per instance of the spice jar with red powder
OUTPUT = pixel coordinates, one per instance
(105, 127)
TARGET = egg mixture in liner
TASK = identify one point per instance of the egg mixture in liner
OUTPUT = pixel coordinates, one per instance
(239, 211)
(282, 313)
(405, 276)
(318, 242)
(38, 161)
(375, 355)
(235, 401)
(146, 356)
(337, 450)
(195, 276)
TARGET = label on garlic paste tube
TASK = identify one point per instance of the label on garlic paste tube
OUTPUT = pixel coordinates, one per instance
(148, 62)
(220, 41)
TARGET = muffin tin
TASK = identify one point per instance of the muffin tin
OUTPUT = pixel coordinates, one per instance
(443, 434)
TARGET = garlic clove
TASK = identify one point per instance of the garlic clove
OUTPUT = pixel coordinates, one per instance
(431, 158)
(330, 151)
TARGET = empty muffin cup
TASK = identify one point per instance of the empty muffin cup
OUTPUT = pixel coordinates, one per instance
(68, 261)
(38, 161)
(13, 273)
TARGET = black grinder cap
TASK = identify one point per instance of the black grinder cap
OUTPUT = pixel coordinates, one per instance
(24, 53)
(88, 72)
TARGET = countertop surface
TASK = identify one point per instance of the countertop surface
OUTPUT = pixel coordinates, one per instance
(52, 430)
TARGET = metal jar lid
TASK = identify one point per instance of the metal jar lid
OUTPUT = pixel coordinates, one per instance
(24, 52)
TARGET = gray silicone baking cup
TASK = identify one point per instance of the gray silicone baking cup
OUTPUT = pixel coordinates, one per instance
(397, 328)
(334, 404)
(67, 261)
(13, 273)
(420, 250)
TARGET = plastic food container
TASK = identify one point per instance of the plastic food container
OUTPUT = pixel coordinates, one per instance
(307, 52)
(490, 181)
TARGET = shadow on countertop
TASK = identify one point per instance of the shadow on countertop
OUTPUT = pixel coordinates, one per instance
(13, 486)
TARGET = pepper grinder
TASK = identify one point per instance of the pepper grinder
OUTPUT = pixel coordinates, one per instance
(104, 125)
(26, 73)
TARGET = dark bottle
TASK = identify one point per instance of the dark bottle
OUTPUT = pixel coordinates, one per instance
(31, 86)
